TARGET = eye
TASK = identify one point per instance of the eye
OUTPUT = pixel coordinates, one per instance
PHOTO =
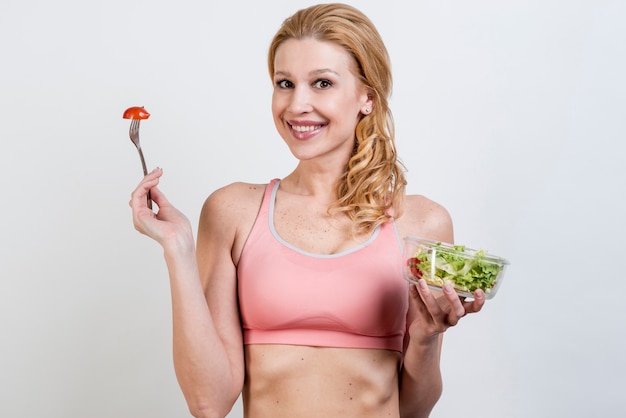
(284, 84)
(323, 84)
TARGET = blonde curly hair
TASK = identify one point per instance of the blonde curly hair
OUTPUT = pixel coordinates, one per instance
(373, 182)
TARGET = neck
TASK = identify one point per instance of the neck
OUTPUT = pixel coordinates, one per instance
(316, 183)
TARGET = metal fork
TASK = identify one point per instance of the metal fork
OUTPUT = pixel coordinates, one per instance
(133, 132)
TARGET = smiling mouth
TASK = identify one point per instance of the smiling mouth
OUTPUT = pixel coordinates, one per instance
(305, 128)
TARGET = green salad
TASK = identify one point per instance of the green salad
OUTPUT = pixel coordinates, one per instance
(466, 271)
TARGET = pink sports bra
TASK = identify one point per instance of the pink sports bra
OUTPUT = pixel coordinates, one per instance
(354, 299)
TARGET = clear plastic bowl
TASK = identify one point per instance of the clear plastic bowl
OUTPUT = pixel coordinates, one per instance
(466, 269)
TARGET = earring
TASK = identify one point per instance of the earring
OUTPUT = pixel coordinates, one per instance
(367, 110)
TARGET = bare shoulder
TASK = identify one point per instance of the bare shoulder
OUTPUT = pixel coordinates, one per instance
(228, 215)
(425, 218)
(232, 204)
(235, 197)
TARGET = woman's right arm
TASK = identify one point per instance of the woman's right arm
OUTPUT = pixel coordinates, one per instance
(207, 341)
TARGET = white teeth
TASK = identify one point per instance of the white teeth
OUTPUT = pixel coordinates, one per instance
(305, 128)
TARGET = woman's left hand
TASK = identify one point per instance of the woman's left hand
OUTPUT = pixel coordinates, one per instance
(433, 315)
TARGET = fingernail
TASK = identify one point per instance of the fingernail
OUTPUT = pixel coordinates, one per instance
(479, 294)
(447, 287)
(423, 285)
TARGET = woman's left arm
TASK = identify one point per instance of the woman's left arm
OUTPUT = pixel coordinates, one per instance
(430, 314)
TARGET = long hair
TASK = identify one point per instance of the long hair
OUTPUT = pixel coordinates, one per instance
(373, 181)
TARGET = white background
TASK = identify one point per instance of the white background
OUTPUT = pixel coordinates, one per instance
(510, 113)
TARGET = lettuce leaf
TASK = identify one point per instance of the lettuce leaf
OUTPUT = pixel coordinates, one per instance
(466, 271)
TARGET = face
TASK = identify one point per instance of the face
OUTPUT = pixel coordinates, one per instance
(317, 99)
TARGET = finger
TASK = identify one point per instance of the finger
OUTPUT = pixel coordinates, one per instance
(457, 310)
(138, 196)
(159, 198)
(417, 299)
(428, 299)
(477, 304)
(156, 172)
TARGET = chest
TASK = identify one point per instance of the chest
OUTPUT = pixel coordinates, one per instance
(333, 292)
(353, 299)
(308, 226)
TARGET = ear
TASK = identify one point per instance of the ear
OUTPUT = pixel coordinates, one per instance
(368, 104)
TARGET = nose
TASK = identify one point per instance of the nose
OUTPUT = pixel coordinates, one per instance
(300, 100)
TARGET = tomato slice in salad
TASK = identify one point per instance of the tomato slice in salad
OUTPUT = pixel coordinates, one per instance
(136, 112)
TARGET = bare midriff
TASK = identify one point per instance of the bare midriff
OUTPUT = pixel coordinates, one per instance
(305, 382)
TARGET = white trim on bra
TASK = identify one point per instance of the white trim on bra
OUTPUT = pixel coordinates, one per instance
(309, 254)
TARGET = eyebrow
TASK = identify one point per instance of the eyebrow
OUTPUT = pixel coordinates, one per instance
(311, 73)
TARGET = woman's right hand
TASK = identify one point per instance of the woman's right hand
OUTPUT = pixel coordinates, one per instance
(168, 226)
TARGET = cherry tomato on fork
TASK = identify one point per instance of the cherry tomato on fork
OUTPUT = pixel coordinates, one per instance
(136, 112)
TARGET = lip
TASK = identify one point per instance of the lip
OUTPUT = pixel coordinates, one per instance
(311, 128)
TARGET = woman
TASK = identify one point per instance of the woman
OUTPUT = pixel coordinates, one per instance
(293, 294)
